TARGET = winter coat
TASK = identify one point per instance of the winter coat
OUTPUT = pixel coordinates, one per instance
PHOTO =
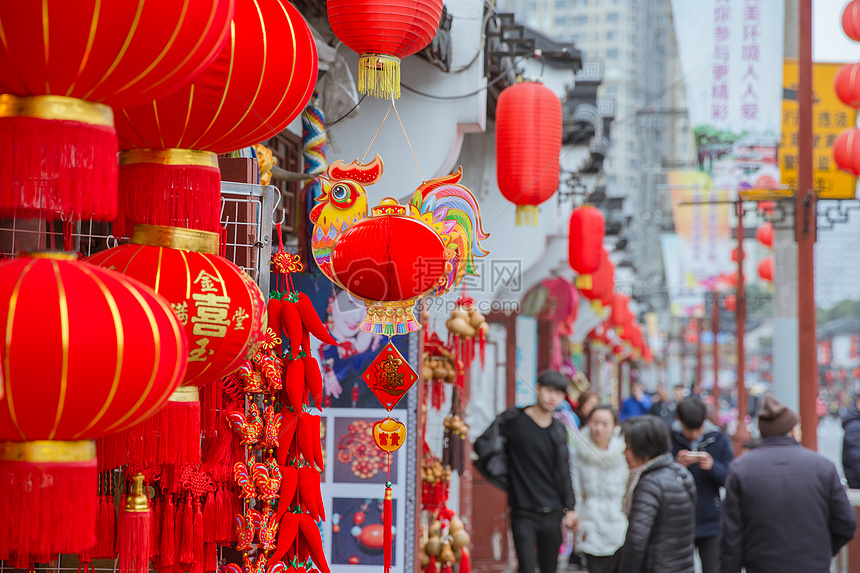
(599, 482)
(851, 447)
(632, 407)
(708, 483)
(661, 525)
(785, 510)
(492, 459)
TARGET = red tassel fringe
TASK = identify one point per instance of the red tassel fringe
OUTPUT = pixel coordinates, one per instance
(465, 562)
(157, 517)
(51, 167)
(48, 507)
(134, 541)
(386, 531)
(168, 534)
(172, 195)
(106, 545)
(197, 539)
(186, 551)
(171, 436)
(210, 561)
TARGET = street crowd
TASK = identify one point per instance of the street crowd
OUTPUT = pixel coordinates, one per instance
(655, 487)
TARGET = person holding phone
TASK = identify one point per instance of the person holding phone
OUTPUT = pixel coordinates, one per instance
(701, 447)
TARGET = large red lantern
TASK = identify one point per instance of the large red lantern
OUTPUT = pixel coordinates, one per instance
(585, 239)
(257, 85)
(765, 269)
(602, 281)
(764, 234)
(620, 315)
(62, 64)
(851, 20)
(846, 151)
(847, 84)
(389, 259)
(86, 352)
(220, 308)
(383, 32)
(528, 146)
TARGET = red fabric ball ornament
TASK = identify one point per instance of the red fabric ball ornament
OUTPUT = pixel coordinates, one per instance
(851, 20)
(586, 234)
(846, 151)
(383, 32)
(847, 85)
(765, 269)
(261, 80)
(389, 258)
(105, 352)
(528, 146)
(764, 235)
(62, 64)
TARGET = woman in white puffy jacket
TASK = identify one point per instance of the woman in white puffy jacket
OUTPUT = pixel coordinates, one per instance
(599, 481)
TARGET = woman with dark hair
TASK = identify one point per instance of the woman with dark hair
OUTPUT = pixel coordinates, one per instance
(587, 401)
(599, 480)
(660, 502)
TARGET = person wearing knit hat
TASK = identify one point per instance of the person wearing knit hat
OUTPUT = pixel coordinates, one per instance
(785, 508)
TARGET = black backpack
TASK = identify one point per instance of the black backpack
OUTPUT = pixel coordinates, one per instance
(490, 458)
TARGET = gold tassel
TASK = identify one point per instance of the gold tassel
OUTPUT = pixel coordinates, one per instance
(527, 215)
(379, 75)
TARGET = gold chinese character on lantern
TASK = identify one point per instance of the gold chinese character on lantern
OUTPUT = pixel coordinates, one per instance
(207, 282)
(240, 316)
(181, 311)
(199, 354)
(212, 315)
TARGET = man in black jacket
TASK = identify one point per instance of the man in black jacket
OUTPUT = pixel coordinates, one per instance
(785, 508)
(851, 445)
(701, 447)
(524, 451)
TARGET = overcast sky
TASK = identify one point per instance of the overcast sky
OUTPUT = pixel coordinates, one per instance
(829, 42)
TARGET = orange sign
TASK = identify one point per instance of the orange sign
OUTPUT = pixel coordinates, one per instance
(389, 434)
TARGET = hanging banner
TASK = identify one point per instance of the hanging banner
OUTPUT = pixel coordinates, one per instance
(731, 54)
(830, 117)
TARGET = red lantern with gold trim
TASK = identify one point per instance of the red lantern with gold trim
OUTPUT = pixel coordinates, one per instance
(383, 32)
(62, 64)
(258, 84)
(528, 146)
(86, 352)
(221, 310)
(765, 269)
(585, 239)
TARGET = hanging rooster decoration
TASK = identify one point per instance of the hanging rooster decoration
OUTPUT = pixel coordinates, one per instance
(389, 258)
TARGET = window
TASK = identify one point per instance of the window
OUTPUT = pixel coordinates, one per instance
(612, 17)
(612, 54)
(580, 20)
(611, 35)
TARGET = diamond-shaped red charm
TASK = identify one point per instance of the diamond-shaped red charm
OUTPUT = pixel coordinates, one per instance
(389, 376)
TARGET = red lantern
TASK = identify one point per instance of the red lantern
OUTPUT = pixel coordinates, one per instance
(731, 303)
(602, 281)
(528, 146)
(585, 239)
(851, 20)
(766, 207)
(87, 352)
(392, 259)
(257, 85)
(847, 84)
(61, 64)
(764, 234)
(846, 151)
(220, 308)
(620, 316)
(765, 269)
(382, 33)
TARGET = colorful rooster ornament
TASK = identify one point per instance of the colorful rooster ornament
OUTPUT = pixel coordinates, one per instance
(396, 253)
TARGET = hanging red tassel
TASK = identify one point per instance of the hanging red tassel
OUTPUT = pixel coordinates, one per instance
(431, 566)
(60, 514)
(386, 529)
(168, 534)
(171, 195)
(134, 530)
(210, 523)
(105, 538)
(210, 405)
(186, 551)
(210, 560)
(224, 517)
(157, 516)
(465, 561)
(197, 541)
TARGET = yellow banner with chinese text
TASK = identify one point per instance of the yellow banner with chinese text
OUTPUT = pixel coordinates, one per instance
(830, 118)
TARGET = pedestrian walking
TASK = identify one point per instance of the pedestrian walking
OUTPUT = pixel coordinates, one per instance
(599, 482)
(637, 404)
(785, 508)
(586, 403)
(664, 407)
(701, 447)
(524, 452)
(660, 503)
(851, 444)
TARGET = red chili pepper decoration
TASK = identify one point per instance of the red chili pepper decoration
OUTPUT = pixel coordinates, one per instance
(274, 314)
(309, 433)
(306, 342)
(309, 479)
(288, 431)
(313, 380)
(312, 321)
(317, 445)
(294, 384)
(289, 483)
(309, 530)
(292, 324)
(286, 536)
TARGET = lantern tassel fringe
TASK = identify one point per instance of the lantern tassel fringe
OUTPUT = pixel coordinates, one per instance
(135, 531)
(527, 215)
(379, 75)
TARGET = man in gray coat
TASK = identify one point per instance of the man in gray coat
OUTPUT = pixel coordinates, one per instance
(785, 508)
